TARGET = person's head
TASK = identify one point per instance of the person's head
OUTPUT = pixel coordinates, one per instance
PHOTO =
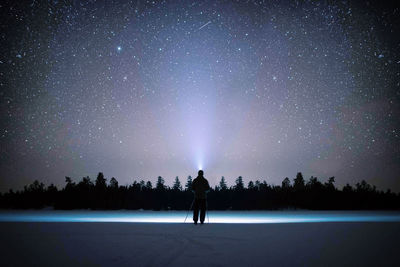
(200, 173)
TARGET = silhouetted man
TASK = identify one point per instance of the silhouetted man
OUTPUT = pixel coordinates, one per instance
(200, 187)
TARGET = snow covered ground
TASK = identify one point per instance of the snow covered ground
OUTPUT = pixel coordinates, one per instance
(319, 243)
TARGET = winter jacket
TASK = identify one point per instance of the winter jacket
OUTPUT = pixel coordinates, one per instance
(200, 187)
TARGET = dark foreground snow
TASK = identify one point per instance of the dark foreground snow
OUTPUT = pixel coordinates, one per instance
(178, 244)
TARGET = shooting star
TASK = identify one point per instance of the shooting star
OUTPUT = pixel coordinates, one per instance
(204, 25)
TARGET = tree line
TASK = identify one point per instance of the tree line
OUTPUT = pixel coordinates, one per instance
(258, 195)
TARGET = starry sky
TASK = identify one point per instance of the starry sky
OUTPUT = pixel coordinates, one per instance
(145, 88)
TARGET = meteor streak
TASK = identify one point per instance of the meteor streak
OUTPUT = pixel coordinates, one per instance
(204, 25)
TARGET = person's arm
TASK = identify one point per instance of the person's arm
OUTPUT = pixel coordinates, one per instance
(193, 186)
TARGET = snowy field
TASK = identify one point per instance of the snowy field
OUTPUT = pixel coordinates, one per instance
(86, 238)
(212, 216)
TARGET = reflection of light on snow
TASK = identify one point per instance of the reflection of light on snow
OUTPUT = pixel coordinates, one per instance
(244, 217)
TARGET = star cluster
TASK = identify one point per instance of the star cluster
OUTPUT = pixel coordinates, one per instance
(259, 89)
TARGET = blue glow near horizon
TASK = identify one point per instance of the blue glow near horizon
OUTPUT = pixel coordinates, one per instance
(245, 217)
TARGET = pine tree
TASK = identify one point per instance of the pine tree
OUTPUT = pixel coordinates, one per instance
(330, 184)
(189, 182)
(142, 184)
(113, 183)
(160, 183)
(101, 181)
(298, 181)
(149, 185)
(222, 184)
(286, 183)
(69, 184)
(177, 184)
(239, 183)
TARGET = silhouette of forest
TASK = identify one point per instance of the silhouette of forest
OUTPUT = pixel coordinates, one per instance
(297, 194)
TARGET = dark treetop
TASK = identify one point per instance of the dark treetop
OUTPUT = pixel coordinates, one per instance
(311, 194)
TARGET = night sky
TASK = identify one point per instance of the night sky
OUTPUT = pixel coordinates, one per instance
(141, 89)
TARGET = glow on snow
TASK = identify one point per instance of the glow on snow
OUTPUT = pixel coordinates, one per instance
(246, 217)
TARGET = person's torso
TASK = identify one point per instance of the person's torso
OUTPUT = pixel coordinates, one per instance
(200, 186)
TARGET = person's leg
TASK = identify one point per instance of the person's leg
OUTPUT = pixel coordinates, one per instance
(202, 210)
(195, 211)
